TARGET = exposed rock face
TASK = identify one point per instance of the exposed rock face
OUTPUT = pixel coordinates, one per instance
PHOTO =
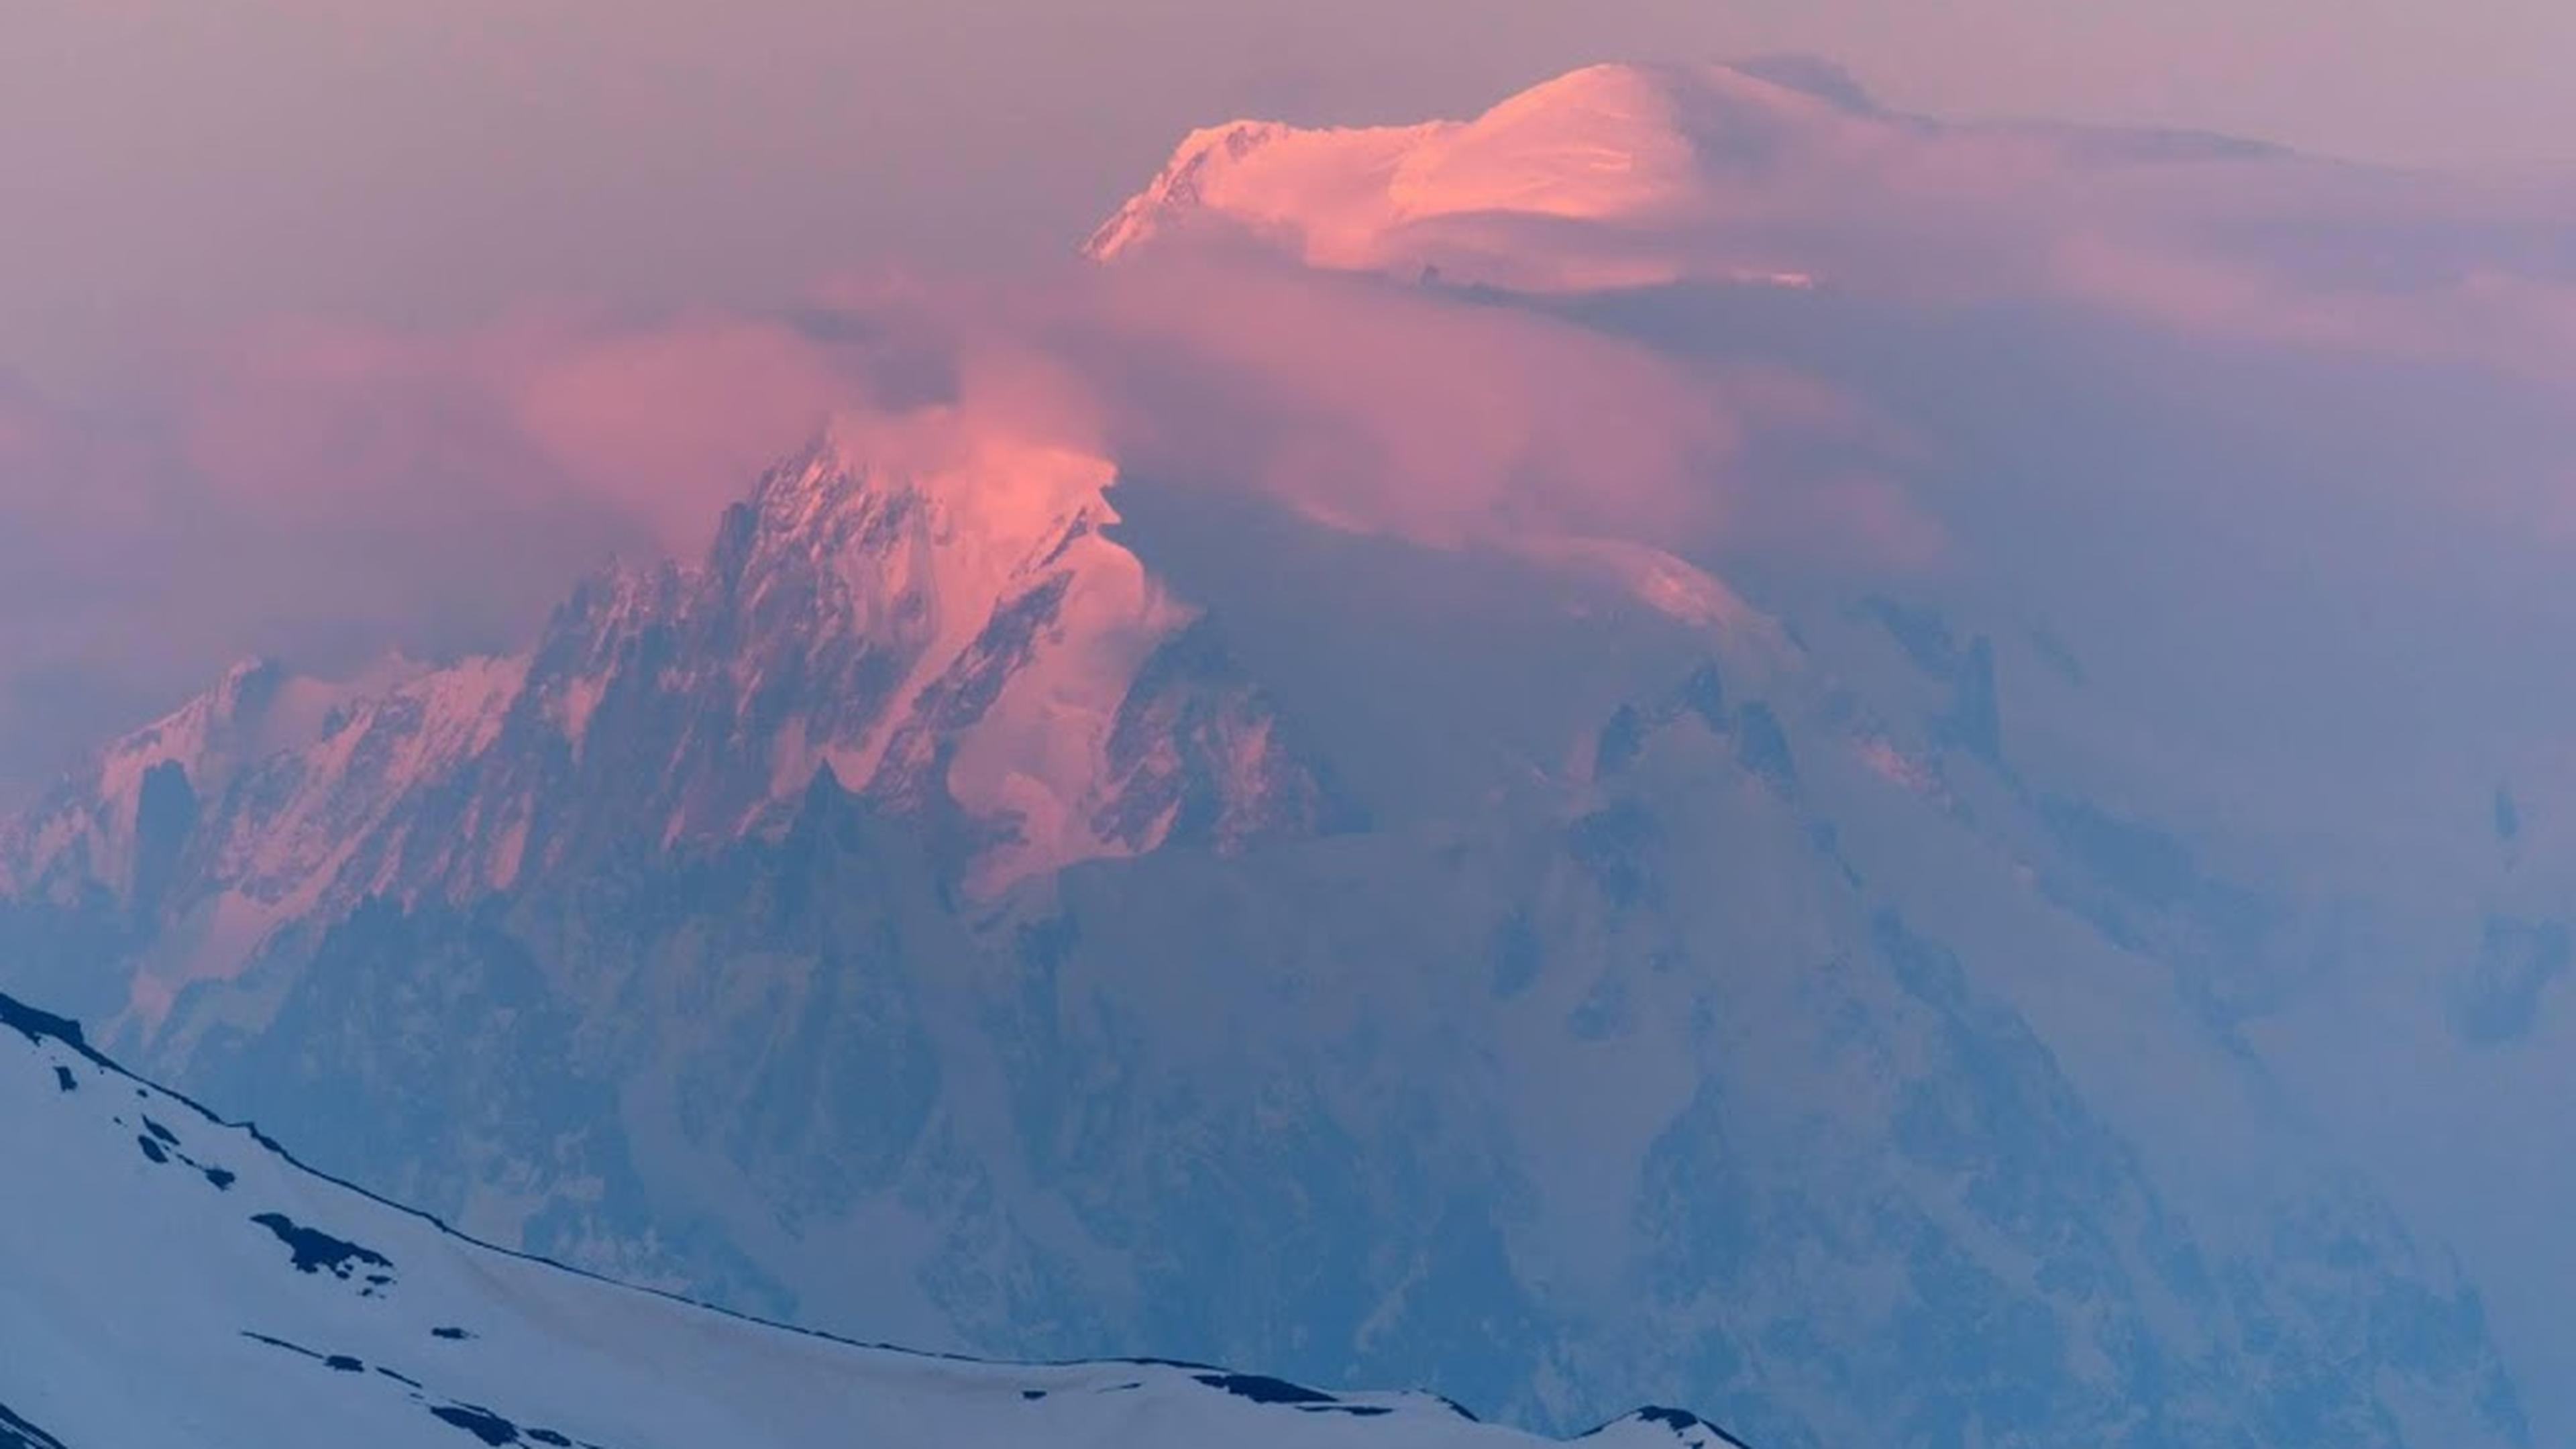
(953, 636)
(930, 917)
(916, 919)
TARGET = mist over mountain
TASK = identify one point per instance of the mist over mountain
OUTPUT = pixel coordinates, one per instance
(1692, 741)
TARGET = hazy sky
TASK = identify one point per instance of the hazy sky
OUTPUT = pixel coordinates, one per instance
(176, 163)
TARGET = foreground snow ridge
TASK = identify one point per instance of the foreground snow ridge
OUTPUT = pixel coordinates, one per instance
(168, 1279)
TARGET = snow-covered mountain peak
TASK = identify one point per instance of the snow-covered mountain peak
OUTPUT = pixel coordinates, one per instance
(1603, 142)
(97, 829)
(208, 734)
(1615, 140)
(1003, 479)
(946, 516)
(1315, 190)
(1607, 144)
(974, 562)
(929, 609)
(1618, 175)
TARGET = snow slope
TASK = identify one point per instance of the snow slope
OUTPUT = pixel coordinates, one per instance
(168, 1281)
(1617, 175)
(1609, 144)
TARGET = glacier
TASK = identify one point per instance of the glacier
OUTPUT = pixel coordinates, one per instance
(1016, 898)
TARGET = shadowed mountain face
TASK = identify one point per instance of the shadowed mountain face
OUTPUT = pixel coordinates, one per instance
(1004, 900)
(957, 640)
(1675, 1064)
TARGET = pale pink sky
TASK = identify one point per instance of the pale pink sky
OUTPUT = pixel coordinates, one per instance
(194, 162)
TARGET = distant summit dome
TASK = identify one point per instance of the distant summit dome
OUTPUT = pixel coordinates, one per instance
(1616, 175)
(1637, 148)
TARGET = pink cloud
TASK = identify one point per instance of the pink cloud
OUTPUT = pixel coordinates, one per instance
(328, 493)
(1384, 409)
(664, 423)
(2481, 317)
(655, 423)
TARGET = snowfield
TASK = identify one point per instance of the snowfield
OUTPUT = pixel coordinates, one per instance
(171, 1280)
